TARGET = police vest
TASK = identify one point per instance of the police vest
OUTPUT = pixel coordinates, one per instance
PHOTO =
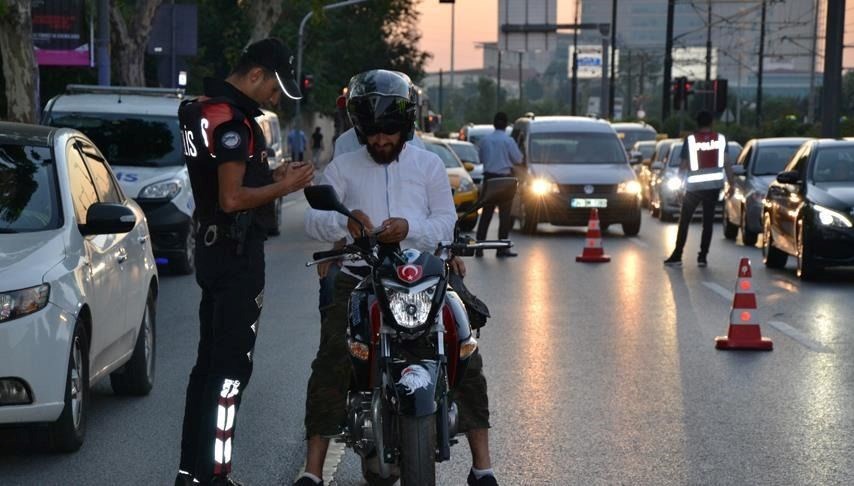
(706, 152)
(199, 119)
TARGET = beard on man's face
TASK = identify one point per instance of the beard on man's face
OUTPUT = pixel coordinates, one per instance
(385, 152)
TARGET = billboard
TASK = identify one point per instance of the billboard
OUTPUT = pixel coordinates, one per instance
(589, 61)
(60, 35)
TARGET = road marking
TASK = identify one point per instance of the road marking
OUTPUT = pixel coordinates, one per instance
(799, 336)
(786, 329)
(726, 294)
(640, 243)
(333, 458)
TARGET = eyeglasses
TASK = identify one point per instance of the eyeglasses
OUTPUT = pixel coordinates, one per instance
(389, 128)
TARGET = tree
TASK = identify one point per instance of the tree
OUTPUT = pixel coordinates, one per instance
(131, 22)
(263, 16)
(19, 65)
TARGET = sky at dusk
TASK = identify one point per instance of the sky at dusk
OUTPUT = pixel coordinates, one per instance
(476, 21)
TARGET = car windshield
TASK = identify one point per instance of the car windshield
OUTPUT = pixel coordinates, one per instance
(465, 152)
(834, 164)
(772, 160)
(28, 190)
(646, 149)
(629, 136)
(448, 158)
(576, 148)
(134, 140)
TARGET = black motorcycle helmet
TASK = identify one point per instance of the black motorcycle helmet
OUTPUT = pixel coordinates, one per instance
(382, 101)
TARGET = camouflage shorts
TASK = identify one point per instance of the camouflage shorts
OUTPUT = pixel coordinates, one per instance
(326, 398)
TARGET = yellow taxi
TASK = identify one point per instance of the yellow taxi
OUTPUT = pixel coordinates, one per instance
(462, 185)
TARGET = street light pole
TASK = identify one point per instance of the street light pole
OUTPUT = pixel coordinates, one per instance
(300, 42)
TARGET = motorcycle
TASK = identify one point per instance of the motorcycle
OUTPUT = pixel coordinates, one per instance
(410, 340)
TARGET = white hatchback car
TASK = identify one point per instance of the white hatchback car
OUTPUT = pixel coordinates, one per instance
(78, 282)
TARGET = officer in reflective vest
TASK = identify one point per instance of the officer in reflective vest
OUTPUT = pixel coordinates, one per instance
(704, 171)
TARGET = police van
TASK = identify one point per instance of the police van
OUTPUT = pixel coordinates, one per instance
(137, 130)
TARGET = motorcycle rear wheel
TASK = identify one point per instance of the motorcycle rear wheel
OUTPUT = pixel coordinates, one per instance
(418, 451)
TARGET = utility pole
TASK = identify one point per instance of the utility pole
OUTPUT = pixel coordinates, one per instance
(453, 20)
(629, 103)
(811, 97)
(102, 43)
(761, 62)
(520, 79)
(613, 59)
(604, 108)
(441, 88)
(498, 88)
(574, 83)
(830, 94)
(668, 63)
(706, 96)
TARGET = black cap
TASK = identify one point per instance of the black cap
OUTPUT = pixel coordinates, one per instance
(272, 54)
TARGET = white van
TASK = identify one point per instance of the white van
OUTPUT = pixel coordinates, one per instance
(137, 129)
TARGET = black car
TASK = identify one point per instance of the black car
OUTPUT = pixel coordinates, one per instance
(809, 209)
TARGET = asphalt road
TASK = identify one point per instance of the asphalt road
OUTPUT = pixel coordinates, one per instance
(598, 374)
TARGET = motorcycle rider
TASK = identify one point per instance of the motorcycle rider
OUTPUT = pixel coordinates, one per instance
(405, 190)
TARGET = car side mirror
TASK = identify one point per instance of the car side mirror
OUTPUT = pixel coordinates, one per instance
(656, 166)
(738, 170)
(790, 177)
(468, 165)
(107, 219)
(635, 158)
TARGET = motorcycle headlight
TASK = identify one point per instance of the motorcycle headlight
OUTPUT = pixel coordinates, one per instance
(673, 183)
(829, 217)
(19, 303)
(466, 185)
(629, 187)
(161, 190)
(541, 187)
(410, 306)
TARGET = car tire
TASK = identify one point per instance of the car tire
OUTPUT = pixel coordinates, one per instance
(67, 433)
(654, 211)
(749, 238)
(528, 222)
(666, 216)
(807, 268)
(276, 229)
(186, 263)
(771, 255)
(632, 227)
(136, 377)
(730, 230)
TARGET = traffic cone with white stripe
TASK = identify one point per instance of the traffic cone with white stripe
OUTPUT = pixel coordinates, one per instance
(593, 252)
(744, 332)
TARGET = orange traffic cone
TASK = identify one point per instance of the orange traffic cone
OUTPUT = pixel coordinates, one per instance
(593, 252)
(744, 331)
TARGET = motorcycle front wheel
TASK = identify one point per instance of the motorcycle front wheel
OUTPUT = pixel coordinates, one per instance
(418, 451)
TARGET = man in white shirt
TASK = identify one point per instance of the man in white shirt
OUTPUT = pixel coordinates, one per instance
(392, 184)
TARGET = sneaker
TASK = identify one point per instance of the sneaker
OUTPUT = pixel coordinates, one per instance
(306, 481)
(673, 261)
(701, 261)
(488, 480)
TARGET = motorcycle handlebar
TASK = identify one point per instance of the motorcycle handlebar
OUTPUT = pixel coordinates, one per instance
(320, 255)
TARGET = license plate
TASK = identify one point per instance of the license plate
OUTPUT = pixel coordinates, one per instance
(588, 203)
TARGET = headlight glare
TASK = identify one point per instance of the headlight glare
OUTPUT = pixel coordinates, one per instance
(629, 187)
(161, 190)
(829, 217)
(19, 303)
(541, 187)
(673, 183)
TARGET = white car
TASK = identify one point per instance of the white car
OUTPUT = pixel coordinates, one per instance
(78, 282)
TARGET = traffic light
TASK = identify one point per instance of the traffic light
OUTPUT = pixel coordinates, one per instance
(307, 84)
(720, 89)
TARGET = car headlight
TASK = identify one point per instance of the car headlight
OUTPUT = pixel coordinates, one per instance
(629, 187)
(466, 185)
(19, 303)
(829, 217)
(673, 183)
(410, 306)
(541, 187)
(161, 190)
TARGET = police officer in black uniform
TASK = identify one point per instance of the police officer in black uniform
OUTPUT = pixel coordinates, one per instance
(234, 191)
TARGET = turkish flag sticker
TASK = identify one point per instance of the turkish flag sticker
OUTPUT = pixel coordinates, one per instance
(410, 273)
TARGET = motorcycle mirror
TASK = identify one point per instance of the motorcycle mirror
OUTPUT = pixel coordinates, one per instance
(324, 198)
